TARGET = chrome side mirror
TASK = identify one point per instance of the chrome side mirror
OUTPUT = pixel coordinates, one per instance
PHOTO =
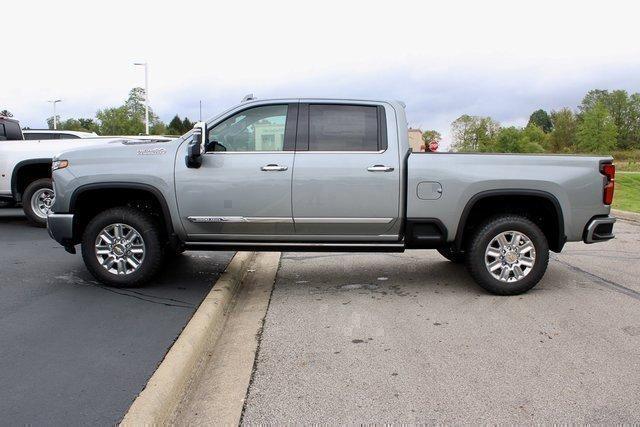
(197, 146)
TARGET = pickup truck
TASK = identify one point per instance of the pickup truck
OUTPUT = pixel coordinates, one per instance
(25, 166)
(324, 175)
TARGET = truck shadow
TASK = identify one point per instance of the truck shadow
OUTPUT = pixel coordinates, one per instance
(406, 274)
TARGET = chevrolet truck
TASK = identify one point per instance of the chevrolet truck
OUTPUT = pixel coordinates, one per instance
(324, 175)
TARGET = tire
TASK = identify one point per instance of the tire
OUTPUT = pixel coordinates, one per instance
(452, 255)
(120, 260)
(37, 200)
(497, 234)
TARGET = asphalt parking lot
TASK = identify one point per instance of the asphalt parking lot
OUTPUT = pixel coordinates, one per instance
(409, 338)
(72, 351)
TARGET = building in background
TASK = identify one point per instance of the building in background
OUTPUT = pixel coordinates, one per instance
(415, 140)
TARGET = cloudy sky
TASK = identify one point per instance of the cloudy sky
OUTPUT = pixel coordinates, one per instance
(498, 58)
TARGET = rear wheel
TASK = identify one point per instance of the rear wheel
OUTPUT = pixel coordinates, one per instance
(508, 255)
(121, 247)
(37, 201)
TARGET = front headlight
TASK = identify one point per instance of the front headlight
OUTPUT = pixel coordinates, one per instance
(59, 164)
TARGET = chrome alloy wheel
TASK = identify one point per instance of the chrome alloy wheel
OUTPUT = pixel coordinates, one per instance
(510, 256)
(41, 202)
(120, 249)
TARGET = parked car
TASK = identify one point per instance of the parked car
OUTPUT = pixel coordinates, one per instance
(42, 134)
(25, 169)
(9, 129)
(324, 175)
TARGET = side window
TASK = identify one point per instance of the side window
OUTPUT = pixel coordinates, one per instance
(255, 129)
(343, 128)
(67, 136)
(35, 136)
(3, 133)
(12, 131)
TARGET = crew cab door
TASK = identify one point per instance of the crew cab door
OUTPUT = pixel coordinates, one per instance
(346, 180)
(242, 191)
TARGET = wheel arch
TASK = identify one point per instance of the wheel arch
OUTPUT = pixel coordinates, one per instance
(86, 190)
(19, 174)
(557, 234)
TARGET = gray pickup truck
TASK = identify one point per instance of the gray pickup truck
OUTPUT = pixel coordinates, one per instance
(323, 175)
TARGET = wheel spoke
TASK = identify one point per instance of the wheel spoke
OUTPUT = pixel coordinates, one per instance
(525, 248)
(504, 274)
(108, 262)
(122, 267)
(133, 262)
(526, 261)
(493, 253)
(502, 240)
(494, 265)
(117, 231)
(105, 237)
(517, 272)
(515, 238)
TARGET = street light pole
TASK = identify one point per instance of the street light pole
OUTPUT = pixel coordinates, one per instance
(146, 95)
(55, 119)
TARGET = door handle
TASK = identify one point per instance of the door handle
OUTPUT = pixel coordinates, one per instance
(380, 168)
(273, 168)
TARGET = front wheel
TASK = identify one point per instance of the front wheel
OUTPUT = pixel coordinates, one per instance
(121, 247)
(37, 200)
(508, 255)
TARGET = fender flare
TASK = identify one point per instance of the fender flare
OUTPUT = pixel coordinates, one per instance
(512, 192)
(166, 212)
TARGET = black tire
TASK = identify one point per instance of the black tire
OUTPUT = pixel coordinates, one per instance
(146, 228)
(482, 238)
(452, 255)
(29, 193)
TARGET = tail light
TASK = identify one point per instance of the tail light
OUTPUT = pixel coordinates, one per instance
(609, 171)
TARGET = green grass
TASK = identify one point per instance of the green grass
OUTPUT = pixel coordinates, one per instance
(626, 195)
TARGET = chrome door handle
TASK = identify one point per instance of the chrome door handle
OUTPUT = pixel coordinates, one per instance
(380, 168)
(273, 168)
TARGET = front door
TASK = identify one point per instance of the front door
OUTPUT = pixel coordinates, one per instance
(346, 181)
(242, 191)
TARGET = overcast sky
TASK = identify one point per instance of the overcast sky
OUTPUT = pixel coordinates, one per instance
(498, 58)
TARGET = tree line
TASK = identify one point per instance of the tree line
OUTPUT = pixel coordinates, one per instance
(127, 119)
(604, 122)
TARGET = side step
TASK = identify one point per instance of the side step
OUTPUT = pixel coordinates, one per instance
(294, 247)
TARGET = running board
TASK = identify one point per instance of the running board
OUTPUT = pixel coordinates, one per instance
(294, 247)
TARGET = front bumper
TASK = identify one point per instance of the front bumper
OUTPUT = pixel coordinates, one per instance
(599, 229)
(60, 227)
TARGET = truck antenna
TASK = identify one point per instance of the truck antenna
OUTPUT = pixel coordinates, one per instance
(248, 97)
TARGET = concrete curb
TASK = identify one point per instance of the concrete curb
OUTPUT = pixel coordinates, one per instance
(166, 387)
(629, 216)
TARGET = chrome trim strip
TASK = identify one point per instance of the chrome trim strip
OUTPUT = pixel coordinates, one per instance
(240, 219)
(298, 244)
(343, 220)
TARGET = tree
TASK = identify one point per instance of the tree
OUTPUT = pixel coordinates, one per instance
(187, 125)
(473, 133)
(175, 126)
(541, 119)
(5, 113)
(624, 111)
(597, 132)
(119, 121)
(50, 121)
(430, 136)
(563, 137)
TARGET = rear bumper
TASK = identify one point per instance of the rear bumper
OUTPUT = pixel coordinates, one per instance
(599, 229)
(60, 227)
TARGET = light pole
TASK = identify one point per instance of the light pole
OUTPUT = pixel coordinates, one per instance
(146, 95)
(55, 119)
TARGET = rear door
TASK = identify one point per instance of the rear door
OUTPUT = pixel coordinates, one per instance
(346, 178)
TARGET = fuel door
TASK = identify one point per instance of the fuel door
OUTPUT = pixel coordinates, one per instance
(429, 190)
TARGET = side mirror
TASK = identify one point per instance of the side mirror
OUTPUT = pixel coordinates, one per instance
(196, 147)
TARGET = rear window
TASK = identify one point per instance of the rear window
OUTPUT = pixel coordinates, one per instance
(3, 133)
(343, 128)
